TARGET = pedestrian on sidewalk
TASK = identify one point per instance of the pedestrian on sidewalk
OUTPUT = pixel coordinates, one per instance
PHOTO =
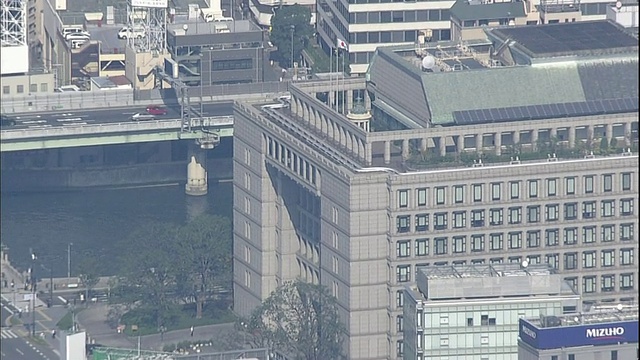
(191, 330)
(53, 333)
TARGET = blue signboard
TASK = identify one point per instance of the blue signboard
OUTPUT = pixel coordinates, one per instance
(579, 335)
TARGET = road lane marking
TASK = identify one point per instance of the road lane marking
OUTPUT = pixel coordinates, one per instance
(38, 126)
(35, 122)
(74, 124)
(8, 334)
(69, 119)
(28, 117)
(21, 353)
(64, 301)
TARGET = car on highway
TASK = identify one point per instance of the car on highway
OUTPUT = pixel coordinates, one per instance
(156, 110)
(142, 117)
(6, 121)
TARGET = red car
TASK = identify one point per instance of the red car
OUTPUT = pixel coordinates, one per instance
(156, 110)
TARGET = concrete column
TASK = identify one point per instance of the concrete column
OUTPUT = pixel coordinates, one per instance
(442, 144)
(497, 142)
(367, 154)
(590, 135)
(553, 134)
(196, 172)
(405, 149)
(627, 133)
(609, 133)
(349, 104)
(424, 145)
(571, 130)
(387, 152)
(516, 137)
(534, 139)
(367, 101)
(478, 142)
(460, 143)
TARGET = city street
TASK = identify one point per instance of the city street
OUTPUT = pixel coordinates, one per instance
(15, 345)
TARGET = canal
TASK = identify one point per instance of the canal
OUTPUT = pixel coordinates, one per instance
(94, 221)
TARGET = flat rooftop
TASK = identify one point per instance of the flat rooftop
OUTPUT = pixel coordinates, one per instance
(600, 315)
(206, 28)
(578, 38)
(484, 270)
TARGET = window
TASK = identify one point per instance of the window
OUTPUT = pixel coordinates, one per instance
(514, 190)
(607, 208)
(458, 194)
(588, 184)
(495, 217)
(422, 222)
(247, 181)
(421, 197)
(44, 87)
(403, 198)
(422, 247)
(440, 246)
(403, 223)
(626, 256)
(533, 214)
(496, 261)
(399, 323)
(399, 298)
(477, 243)
(20, 89)
(477, 192)
(570, 261)
(440, 221)
(515, 240)
(477, 218)
(588, 234)
(33, 88)
(495, 242)
(553, 260)
(6, 90)
(534, 260)
(552, 237)
(589, 284)
(626, 232)
(399, 348)
(552, 212)
(247, 156)
(607, 283)
(607, 257)
(570, 236)
(403, 273)
(515, 215)
(533, 239)
(571, 356)
(533, 188)
(626, 281)
(496, 189)
(626, 181)
(459, 219)
(588, 209)
(570, 185)
(607, 233)
(607, 182)
(515, 259)
(247, 205)
(236, 64)
(403, 248)
(614, 354)
(551, 187)
(588, 259)
(459, 244)
(570, 211)
(626, 207)
(440, 196)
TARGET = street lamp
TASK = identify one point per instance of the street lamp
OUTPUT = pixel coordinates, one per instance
(33, 294)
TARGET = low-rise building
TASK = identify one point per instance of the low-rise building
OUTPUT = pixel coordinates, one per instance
(471, 312)
(609, 332)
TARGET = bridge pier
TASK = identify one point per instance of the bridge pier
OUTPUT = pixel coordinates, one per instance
(196, 172)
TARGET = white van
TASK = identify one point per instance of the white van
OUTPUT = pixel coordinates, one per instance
(66, 30)
(126, 32)
(78, 36)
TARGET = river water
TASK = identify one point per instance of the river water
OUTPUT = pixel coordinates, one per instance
(94, 221)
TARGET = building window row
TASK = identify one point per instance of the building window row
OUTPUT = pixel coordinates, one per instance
(512, 190)
(607, 283)
(398, 16)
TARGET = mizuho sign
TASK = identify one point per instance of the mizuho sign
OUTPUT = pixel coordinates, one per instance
(605, 332)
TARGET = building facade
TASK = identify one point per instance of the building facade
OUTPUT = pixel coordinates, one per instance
(226, 52)
(471, 311)
(606, 333)
(319, 198)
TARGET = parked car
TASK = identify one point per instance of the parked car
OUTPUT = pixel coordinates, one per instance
(126, 32)
(142, 117)
(6, 121)
(156, 110)
(78, 36)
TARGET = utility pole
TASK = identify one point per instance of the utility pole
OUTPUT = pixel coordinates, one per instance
(33, 294)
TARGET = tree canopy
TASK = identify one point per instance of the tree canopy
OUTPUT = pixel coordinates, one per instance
(299, 319)
(287, 18)
(165, 264)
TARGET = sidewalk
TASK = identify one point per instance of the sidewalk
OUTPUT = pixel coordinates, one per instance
(93, 321)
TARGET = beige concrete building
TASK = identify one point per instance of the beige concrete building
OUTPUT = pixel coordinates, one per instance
(464, 163)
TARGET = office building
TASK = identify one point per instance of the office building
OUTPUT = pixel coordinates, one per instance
(470, 312)
(485, 166)
(606, 332)
(225, 52)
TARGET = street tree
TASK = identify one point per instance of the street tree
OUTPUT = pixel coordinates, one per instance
(299, 319)
(88, 270)
(203, 252)
(148, 269)
(287, 19)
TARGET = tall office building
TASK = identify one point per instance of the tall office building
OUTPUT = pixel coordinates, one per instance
(493, 165)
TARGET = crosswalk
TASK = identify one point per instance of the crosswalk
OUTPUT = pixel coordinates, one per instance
(8, 334)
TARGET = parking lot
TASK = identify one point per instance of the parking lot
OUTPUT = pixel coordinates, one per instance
(108, 36)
